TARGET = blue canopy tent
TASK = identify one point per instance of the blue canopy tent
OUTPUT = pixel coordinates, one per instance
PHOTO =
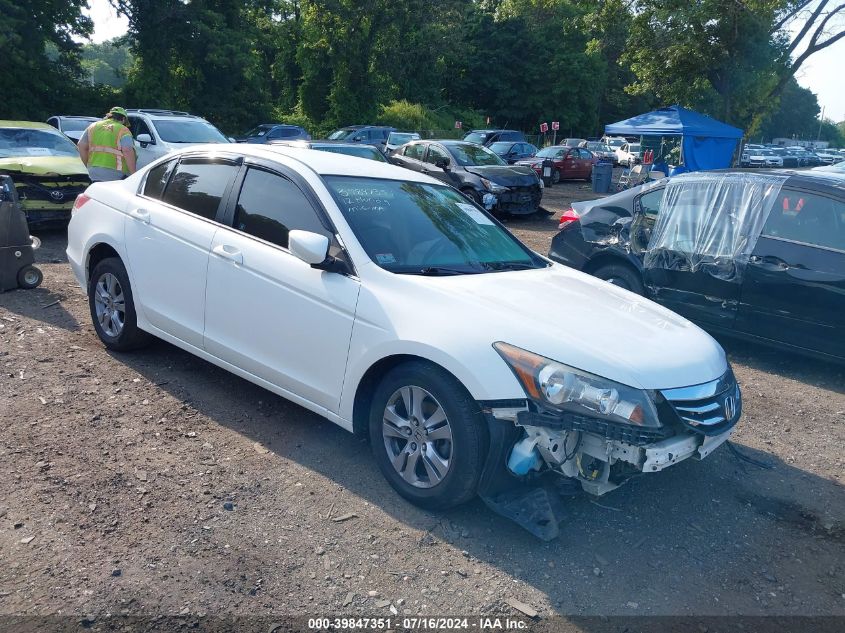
(706, 143)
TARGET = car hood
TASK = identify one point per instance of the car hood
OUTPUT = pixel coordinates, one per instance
(45, 165)
(508, 176)
(581, 321)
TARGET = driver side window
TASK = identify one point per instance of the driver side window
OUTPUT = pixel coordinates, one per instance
(415, 151)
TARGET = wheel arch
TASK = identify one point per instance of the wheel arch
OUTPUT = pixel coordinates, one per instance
(97, 253)
(372, 377)
(609, 257)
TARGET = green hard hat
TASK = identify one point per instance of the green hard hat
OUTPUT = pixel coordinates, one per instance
(118, 110)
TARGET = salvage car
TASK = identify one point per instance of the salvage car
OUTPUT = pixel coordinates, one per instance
(488, 137)
(761, 257)
(629, 154)
(376, 135)
(570, 163)
(388, 303)
(512, 152)
(46, 168)
(477, 172)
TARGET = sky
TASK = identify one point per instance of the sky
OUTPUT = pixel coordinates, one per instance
(817, 73)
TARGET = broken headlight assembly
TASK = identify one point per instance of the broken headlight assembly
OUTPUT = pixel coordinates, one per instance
(556, 387)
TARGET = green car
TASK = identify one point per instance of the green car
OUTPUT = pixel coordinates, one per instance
(46, 168)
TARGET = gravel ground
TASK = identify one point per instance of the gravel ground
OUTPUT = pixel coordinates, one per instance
(154, 483)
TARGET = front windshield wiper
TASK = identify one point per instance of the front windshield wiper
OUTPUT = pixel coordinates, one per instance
(438, 271)
(509, 265)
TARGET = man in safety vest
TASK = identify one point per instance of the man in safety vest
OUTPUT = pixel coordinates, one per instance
(107, 148)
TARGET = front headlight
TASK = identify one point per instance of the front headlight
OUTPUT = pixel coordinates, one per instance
(553, 385)
(492, 186)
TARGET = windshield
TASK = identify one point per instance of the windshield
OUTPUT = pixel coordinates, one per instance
(361, 151)
(189, 131)
(76, 125)
(342, 134)
(30, 142)
(549, 152)
(501, 147)
(400, 138)
(475, 137)
(469, 155)
(259, 130)
(419, 228)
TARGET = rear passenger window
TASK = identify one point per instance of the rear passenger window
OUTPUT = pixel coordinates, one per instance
(809, 218)
(269, 206)
(198, 185)
(157, 179)
(415, 151)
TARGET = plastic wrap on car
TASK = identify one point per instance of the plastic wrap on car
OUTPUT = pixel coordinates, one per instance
(710, 222)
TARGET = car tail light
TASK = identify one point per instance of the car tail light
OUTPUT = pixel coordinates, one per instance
(80, 200)
(568, 217)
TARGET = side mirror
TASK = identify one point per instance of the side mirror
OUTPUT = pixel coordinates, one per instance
(311, 248)
(357, 139)
(145, 139)
(442, 163)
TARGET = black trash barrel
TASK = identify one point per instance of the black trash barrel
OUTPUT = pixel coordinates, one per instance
(546, 172)
(602, 176)
(16, 252)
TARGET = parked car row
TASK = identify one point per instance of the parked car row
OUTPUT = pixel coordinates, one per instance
(774, 156)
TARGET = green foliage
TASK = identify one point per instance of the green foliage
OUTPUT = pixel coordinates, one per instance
(107, 63)
(34, 85)
(795, 115)
(439, 122)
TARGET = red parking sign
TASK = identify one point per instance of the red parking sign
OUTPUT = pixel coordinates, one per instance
(544, 127)
(555, 125)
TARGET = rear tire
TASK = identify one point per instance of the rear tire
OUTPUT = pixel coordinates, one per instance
(113, 308)
(622, 276)
(427, 435)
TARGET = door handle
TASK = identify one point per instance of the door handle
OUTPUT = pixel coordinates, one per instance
(141, 214)
(228, 252)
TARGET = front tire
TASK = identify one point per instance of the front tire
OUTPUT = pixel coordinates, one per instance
(427, 435)
(622, 276)
(113, 308)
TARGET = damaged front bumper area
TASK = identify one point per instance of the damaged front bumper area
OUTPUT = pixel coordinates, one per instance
(531, 447)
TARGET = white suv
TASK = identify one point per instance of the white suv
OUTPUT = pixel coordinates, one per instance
(159, 132)
(387, 302)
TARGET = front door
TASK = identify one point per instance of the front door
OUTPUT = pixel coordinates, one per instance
(268, 312)
(145, 152)
(794, 288)
(169, 231)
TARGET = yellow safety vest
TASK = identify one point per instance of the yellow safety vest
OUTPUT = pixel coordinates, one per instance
(104, 145)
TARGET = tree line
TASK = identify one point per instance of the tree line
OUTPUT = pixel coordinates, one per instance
(422, 64)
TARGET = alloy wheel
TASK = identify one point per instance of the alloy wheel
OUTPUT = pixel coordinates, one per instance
(417, 436)
(110, 304)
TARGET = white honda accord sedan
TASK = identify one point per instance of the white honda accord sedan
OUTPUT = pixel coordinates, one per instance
(395, 307)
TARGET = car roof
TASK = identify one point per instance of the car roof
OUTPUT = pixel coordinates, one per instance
(306, 144)
(35, 125)
(75, 116)
(321, 163)
(159, 114)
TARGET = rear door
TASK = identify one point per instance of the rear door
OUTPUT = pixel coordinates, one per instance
(412, 157)
(794, 288)
(169, 233)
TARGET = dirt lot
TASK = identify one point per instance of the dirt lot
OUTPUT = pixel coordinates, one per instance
(156, 484)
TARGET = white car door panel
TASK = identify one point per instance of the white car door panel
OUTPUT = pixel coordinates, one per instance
(274, 316)
(267, 311)
(168, 247)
